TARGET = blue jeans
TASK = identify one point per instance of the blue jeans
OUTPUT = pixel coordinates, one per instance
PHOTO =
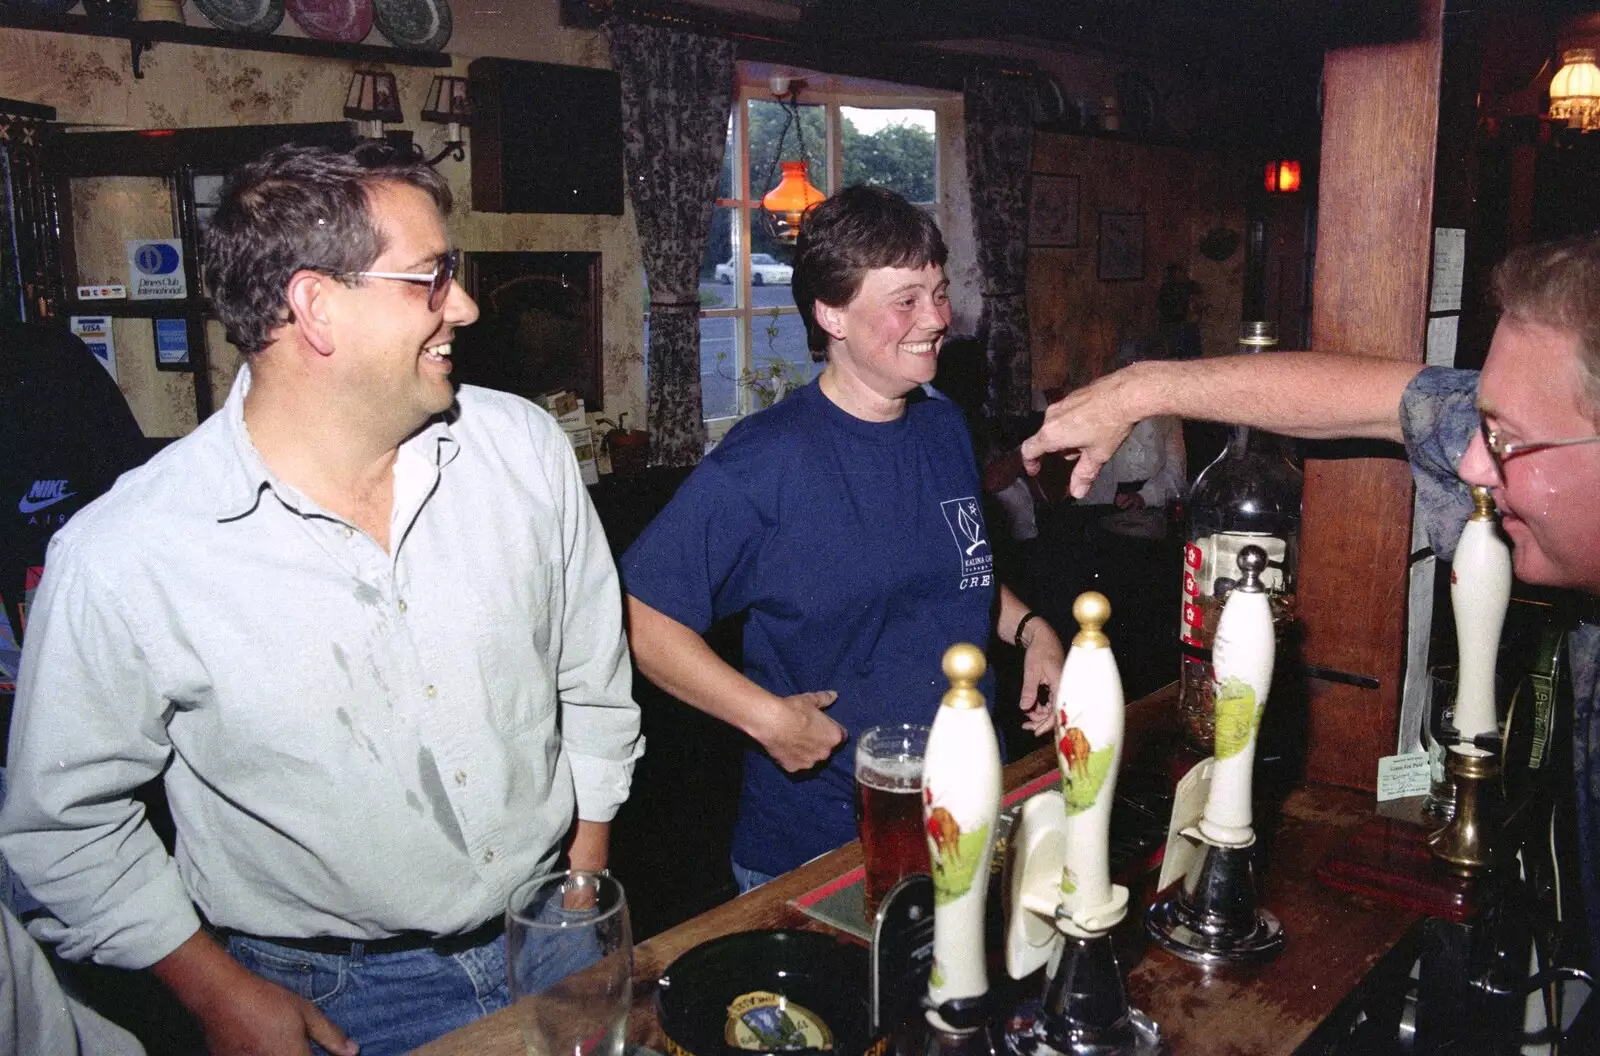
(389, 1003)
(748, 879)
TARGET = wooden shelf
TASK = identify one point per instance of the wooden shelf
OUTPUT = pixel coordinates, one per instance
(141, 36)
(177, 308)
(31, 111)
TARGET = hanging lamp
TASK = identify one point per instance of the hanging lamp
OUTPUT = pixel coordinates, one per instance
(785, 205)
(789, 200)
(1575, 90)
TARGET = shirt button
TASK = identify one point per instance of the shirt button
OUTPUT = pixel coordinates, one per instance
(402, 604)
(429, 692)
(348, 531)
(461, 777)
(488, 856)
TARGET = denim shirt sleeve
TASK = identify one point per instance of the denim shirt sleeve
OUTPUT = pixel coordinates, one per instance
(1439, 414)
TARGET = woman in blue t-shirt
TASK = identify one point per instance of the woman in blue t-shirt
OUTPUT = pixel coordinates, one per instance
(846, 524)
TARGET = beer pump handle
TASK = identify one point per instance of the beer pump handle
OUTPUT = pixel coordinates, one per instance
(1089, 727)
(960, 804)
(1480, 589)
(1242, 660)
(1059, 881)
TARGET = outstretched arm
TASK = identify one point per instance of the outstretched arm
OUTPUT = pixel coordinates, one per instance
(1316, 395)
(795, 731)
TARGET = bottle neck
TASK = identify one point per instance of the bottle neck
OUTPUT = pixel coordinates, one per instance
(1262, 443)
(1240, 437)
(1238, 440)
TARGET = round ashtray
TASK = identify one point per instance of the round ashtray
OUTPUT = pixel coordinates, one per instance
(789, 993)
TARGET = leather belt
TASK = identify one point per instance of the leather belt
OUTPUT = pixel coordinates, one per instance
(404, 942)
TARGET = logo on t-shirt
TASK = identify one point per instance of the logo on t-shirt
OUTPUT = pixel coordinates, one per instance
(43, 493)
(965, 518)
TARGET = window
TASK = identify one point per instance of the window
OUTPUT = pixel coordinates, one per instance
(752, 340)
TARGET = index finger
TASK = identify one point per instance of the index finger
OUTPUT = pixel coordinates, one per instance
(1031, 452)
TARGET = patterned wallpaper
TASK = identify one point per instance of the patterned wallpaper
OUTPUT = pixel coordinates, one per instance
(90, 82)
(1074, 317)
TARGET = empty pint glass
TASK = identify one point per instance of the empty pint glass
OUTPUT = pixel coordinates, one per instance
(889, 807)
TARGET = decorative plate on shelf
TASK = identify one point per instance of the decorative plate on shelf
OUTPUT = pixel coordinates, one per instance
(243, 16)
(341, 21)
(420, 24)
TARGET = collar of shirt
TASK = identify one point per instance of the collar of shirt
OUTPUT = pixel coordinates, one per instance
(249, 475)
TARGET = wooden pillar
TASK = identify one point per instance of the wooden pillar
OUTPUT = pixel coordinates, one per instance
(1374, 243)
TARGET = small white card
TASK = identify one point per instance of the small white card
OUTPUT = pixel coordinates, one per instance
(1402, 775)
(95, 332)
(112, 291)
(1188, 804)
(1449, 267)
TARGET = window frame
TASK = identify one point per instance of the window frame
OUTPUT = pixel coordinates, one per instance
(745, 203)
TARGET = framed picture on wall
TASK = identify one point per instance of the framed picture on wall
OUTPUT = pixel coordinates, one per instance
(539, 324)
(1053, 212)
(1121, 246)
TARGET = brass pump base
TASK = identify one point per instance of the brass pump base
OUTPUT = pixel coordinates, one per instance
(1465, 845)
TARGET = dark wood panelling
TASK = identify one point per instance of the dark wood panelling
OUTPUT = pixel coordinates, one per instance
(1380, 129)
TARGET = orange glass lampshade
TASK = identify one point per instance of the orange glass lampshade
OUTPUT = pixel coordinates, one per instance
(793, 195)
(1283, 177)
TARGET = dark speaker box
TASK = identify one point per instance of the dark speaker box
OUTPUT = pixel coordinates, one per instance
(545, 138)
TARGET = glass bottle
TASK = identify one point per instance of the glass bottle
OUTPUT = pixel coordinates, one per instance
(1249, 495)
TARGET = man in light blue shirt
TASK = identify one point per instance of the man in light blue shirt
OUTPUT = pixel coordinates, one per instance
(368, 628)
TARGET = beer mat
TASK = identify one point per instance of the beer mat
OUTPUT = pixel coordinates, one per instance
(1139, 816)
(842, 902)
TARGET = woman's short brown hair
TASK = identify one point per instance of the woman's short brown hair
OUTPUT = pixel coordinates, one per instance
(856, 231)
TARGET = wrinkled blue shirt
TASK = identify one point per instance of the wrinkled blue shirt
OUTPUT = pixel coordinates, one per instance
(1439, 415)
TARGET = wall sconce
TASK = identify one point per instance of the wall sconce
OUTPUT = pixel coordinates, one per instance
(1282, 177)
(449, 106)
(372, 100)
(785, 205)
(1575, 90)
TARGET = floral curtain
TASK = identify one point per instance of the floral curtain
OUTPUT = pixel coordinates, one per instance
(677, 92)
(999, 120)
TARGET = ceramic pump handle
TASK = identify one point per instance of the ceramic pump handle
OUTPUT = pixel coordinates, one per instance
(1089, 725)
(960, 804)
(1242, 660)
(1480, 589)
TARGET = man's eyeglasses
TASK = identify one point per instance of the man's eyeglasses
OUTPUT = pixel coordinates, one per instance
(1503, 452)
(438, 280)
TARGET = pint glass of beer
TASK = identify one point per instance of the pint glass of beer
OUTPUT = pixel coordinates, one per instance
(889, 807)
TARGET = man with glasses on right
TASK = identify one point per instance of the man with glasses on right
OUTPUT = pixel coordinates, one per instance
(1527, 427)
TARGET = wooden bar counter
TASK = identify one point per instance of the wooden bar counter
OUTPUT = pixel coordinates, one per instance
(1333, 939)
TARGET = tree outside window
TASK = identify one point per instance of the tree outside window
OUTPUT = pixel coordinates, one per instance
(753, 346)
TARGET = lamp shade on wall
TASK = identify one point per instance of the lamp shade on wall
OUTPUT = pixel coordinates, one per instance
(448, 103)
(372, 100)
(789, 200)
(1575, 90)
